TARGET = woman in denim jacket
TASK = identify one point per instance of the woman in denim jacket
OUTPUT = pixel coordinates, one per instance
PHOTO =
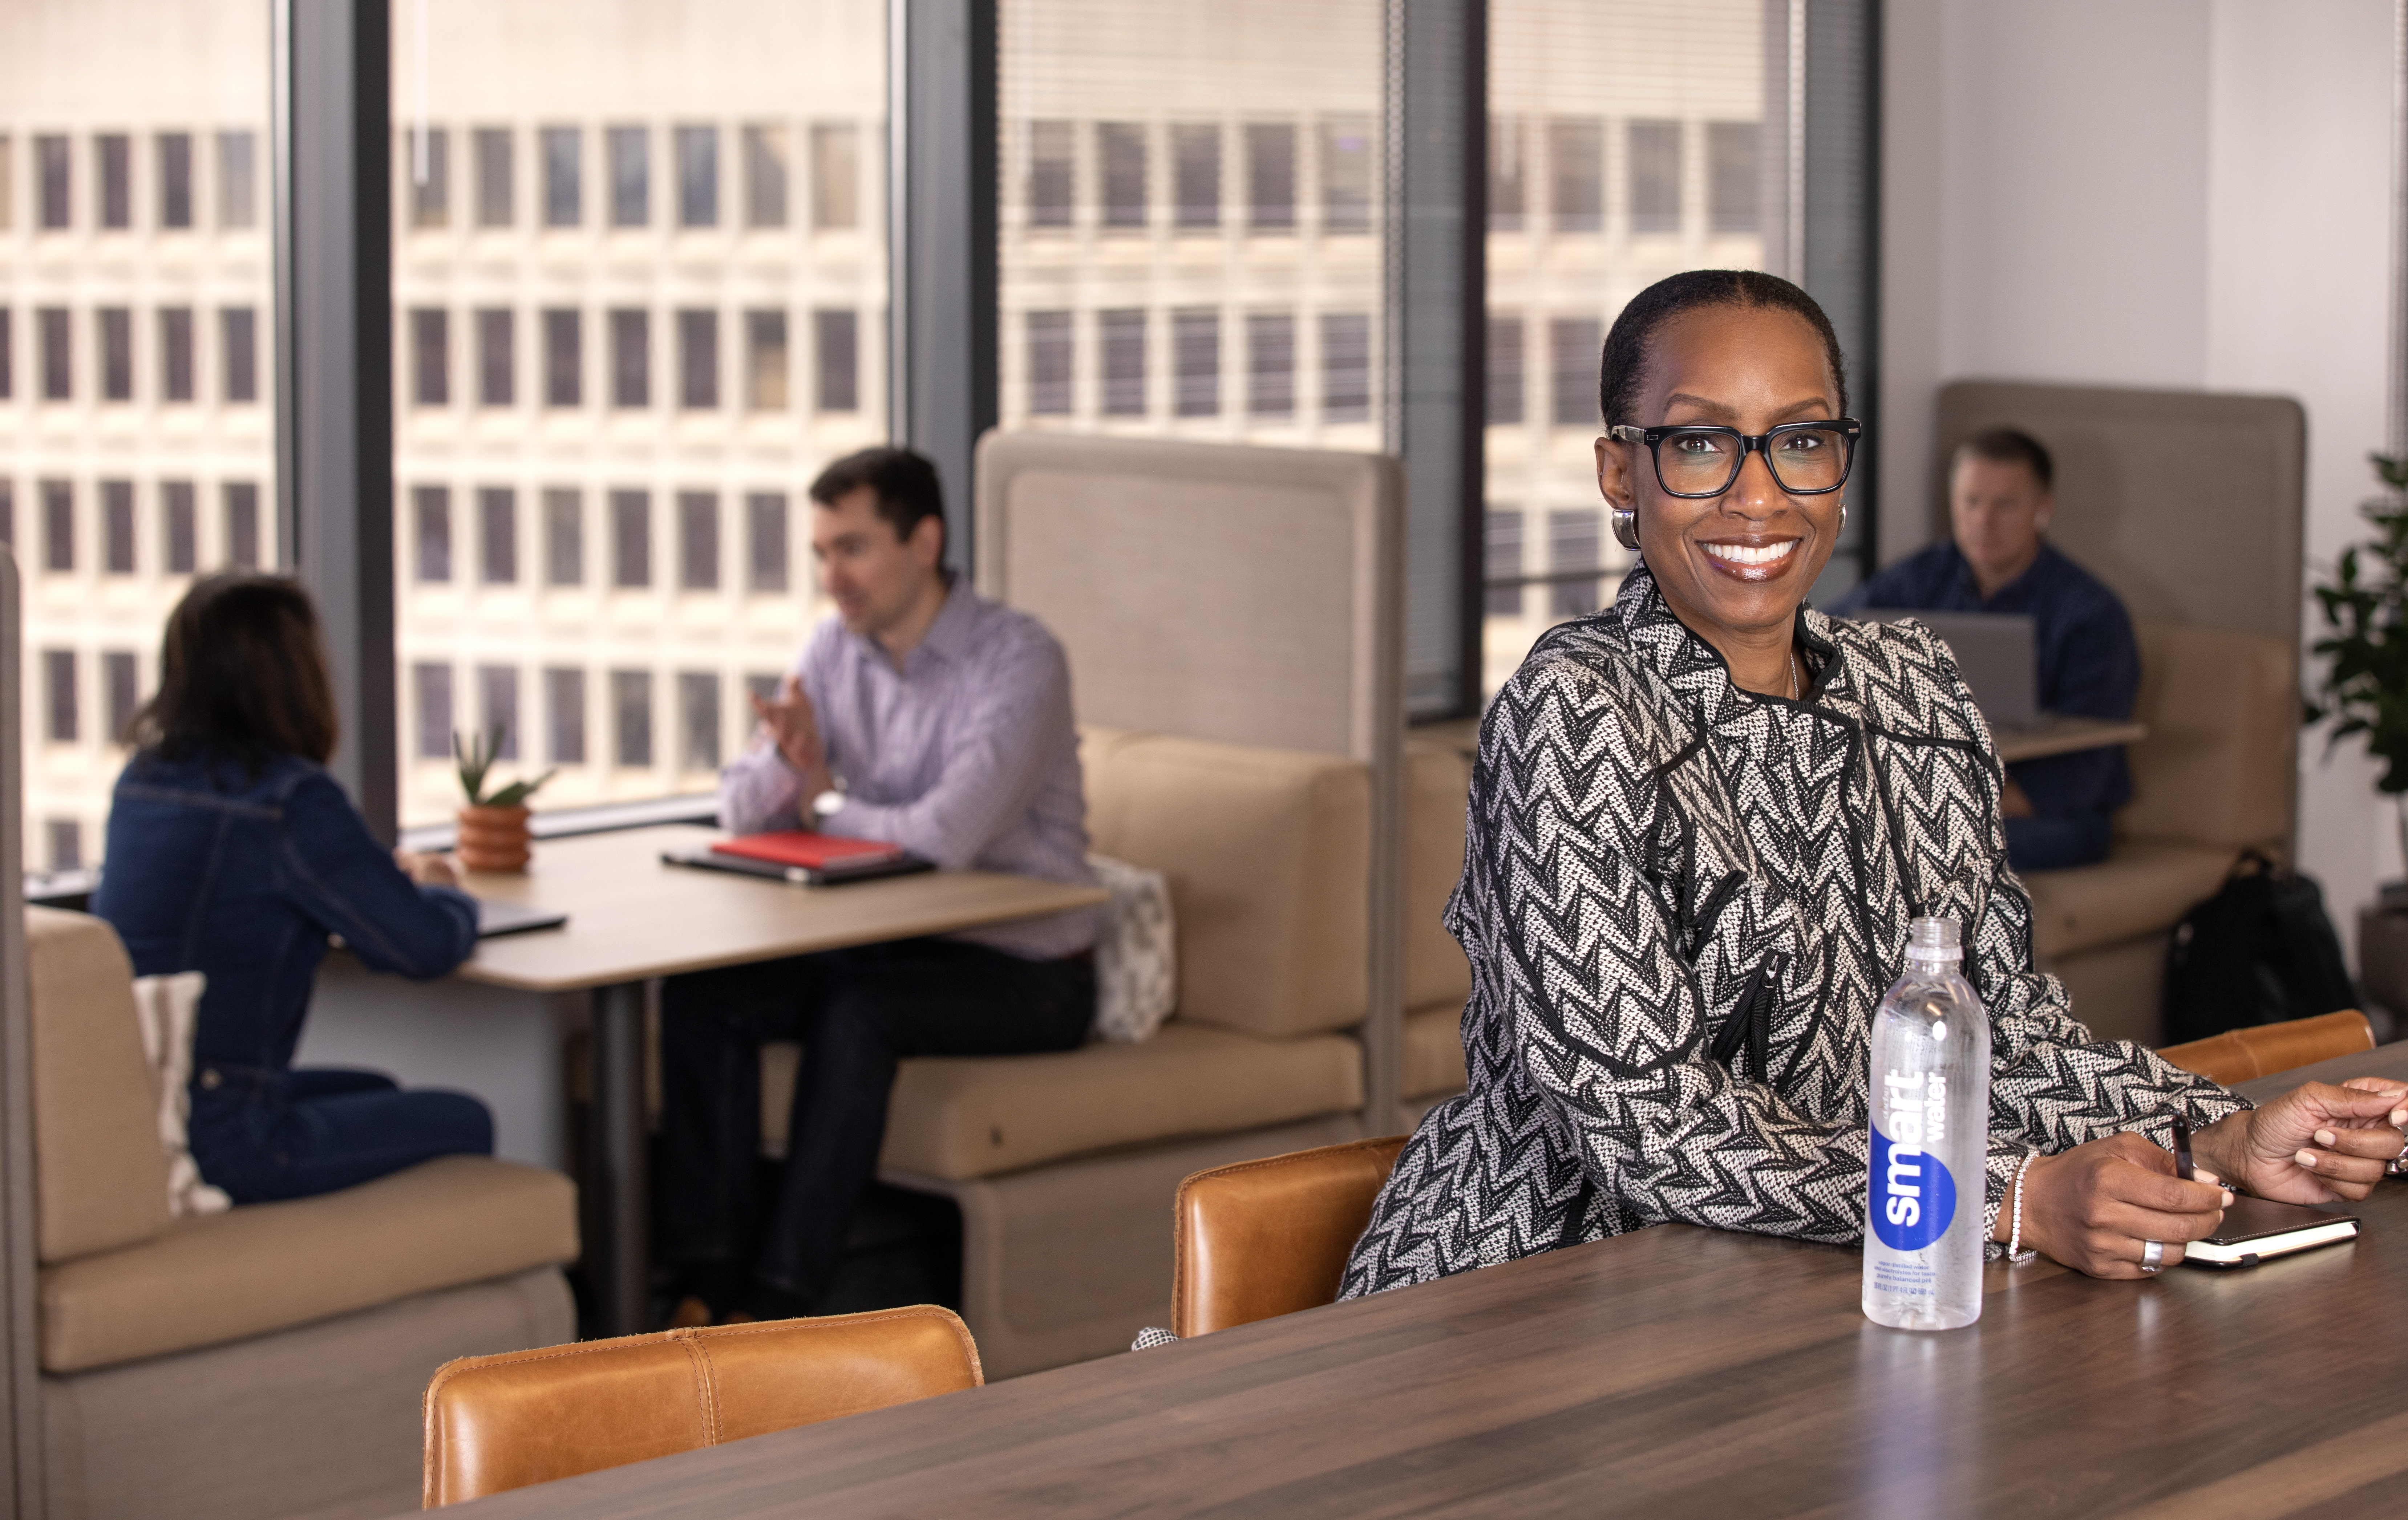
(233, 853)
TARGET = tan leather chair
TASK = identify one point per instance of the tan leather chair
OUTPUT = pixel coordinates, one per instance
(496, 1423)
(1265, 1238)
(2262, 1050)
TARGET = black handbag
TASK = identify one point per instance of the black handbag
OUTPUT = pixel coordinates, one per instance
(2262, 950)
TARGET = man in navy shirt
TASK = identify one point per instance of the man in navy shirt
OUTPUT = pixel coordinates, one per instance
(2059, 809)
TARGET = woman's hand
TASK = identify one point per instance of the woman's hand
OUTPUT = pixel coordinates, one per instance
(2096, 1206)
(427, 870)
(2314, 1144)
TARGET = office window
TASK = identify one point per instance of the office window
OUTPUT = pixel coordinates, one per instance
(180, 527)
(765, 541)
(58, 354)
(1120, 148)
(176, 361)
(1574, 345)
(1195, 174)
(563, 175)
(117, 527)
(564, 357)
(58, 526)
(564, 537)
(237, 182)
(1270, 175)
(631, 708)
(631, 359)
(7, 335)
(1346, 173)
(563, 705)
(431, 506)
(495, 354)
(7, 508)
(426, 160)
(122, 679)
(1270, 363)
(698, 720)
(240, 499)
(65, 837)
(1121, 336)
(764, 361)
(494, 188)
(430, 356)
(765, 176)
(1572, 544)
(631, 539)
(434, 683)
(698, 162)
(1576, 174)
(1501, 533)
(497, 692)
(239, 331)
(113, 152)
(115, 324)
(53, 181)
(697, 541)
(1195, 355)
(631, 179)
(697, 359)
(1505, 370)
(1508, 179)
(1052, 174)
(1732, 198)
(1346, 366)
(58, 693)
(498, 535)
(1049, 364)
(1655, 176)
(836, 177)
(838, 341)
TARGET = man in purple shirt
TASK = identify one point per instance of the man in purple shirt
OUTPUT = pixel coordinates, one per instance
(920, 714)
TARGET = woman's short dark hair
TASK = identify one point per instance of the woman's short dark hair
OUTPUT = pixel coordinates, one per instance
(242, 676)
(2012, 446)
(903, 482)
(1622, 372)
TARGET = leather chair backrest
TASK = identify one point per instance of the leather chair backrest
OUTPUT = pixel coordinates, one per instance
(100, 1179)
(2222, 706)
(1260, 1238)
(498, 1423)
(2262, 1050)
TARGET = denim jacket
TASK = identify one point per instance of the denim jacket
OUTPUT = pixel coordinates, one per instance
(210, 871)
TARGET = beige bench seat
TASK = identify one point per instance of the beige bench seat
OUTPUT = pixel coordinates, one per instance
(272, 1265)
(2145, 885)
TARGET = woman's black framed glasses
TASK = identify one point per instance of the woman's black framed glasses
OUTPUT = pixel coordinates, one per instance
(1807, 459)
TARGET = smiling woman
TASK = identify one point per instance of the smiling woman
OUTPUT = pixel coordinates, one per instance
(1701, 823)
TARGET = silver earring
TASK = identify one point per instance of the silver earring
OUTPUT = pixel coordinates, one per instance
(1626, 527)
(1843, 517)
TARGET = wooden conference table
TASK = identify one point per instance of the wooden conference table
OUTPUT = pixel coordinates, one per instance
(632, 917)
(1673, 1370)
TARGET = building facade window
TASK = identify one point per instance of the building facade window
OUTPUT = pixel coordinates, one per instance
(54, 182)
(698, 720)
(238, 334)
(1120, 333)
(434, 683)
(116, 323)
(697, 541)
(496, 194)
(630, 177)
(7, 333)
(58, 354)
(497, 694)
(180, 527)
(240, 501)
(1346, 173)
(1270, 363)
(1502, 536)
(58, 526)
(765, 541)
(1049, 362)
(1655, 176)
(631, 540)
(1576, 174)
(564, 537)
(1195, 174)
(766, 364)
(117, 527)
(237, 182)
(697, 162)
(631, 359)
(426, 160)
(120, 676)
(1196, 357)
(631, 711)
(1120, 149)
(431, 505)
(496, 357)
(62, 719)
(498, 535)
(1574, 346)
(697, 359)
(564, 357)
(836, 177)
(838, 336)
(176, 382)
(1572, 544)
(563, 175)
(113, 155)
(1052, 176)
(1346, 366)
(1509, 173)
(1734, 194)
(1505, 370)
(563, 705)
(430, 356)
(1270, 175)
(765, 176)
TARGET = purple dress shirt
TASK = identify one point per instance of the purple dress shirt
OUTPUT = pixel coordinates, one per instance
(967, 755)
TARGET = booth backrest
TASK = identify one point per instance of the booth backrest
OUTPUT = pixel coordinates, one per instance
(100, 1178)
(1438, 788)
(2222, 709)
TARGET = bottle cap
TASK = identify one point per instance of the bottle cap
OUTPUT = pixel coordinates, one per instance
(1933, 939)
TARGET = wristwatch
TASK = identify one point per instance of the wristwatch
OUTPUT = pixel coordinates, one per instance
(827, 802)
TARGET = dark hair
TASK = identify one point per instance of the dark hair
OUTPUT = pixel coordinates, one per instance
(906, 483)
(2011, 446)
(1623, 368)
(242, 676)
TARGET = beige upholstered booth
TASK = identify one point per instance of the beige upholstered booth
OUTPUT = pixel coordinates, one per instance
(2189, 506)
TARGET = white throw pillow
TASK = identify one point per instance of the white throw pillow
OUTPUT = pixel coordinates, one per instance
(168, 1008)
(1137, 953)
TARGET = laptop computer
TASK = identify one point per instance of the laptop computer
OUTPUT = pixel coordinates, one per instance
(496, 917)
(1999, 655)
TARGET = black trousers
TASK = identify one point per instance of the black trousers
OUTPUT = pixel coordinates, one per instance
(857, 1012)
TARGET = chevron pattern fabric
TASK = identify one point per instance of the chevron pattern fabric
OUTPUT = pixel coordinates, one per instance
(1655, 855)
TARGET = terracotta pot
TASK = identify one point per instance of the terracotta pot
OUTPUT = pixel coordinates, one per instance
(492, 839)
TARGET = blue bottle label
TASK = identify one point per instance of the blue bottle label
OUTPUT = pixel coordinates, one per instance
(1914, 1197)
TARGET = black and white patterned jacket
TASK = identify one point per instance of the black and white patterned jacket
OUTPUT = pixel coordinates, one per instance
(1682, 904)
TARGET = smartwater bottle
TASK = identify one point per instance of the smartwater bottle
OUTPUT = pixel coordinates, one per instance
(1930, 1133)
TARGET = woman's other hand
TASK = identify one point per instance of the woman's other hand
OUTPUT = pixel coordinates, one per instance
(2314, 1144)
(2095, 1207)
(427, 870)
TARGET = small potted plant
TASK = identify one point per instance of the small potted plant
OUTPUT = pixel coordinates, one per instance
(493, 829)
(2365, 605)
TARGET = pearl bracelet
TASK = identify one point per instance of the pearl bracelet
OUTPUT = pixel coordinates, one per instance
(2015, 1252)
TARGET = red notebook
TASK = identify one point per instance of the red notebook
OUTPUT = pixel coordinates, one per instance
(812, 852)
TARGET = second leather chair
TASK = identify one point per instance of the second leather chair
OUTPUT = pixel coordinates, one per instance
(1271, 1237)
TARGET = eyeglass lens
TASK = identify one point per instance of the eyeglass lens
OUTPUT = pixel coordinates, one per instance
(1703, 463)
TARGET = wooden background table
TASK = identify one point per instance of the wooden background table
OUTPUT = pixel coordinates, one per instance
(2055, 735)
(1671, 1372)
(632, 917)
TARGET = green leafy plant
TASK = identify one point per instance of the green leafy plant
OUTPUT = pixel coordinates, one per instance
(2365, 603)
(476, 758)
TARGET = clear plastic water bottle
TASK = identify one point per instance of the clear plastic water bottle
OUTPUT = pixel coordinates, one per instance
(1930, 1136)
